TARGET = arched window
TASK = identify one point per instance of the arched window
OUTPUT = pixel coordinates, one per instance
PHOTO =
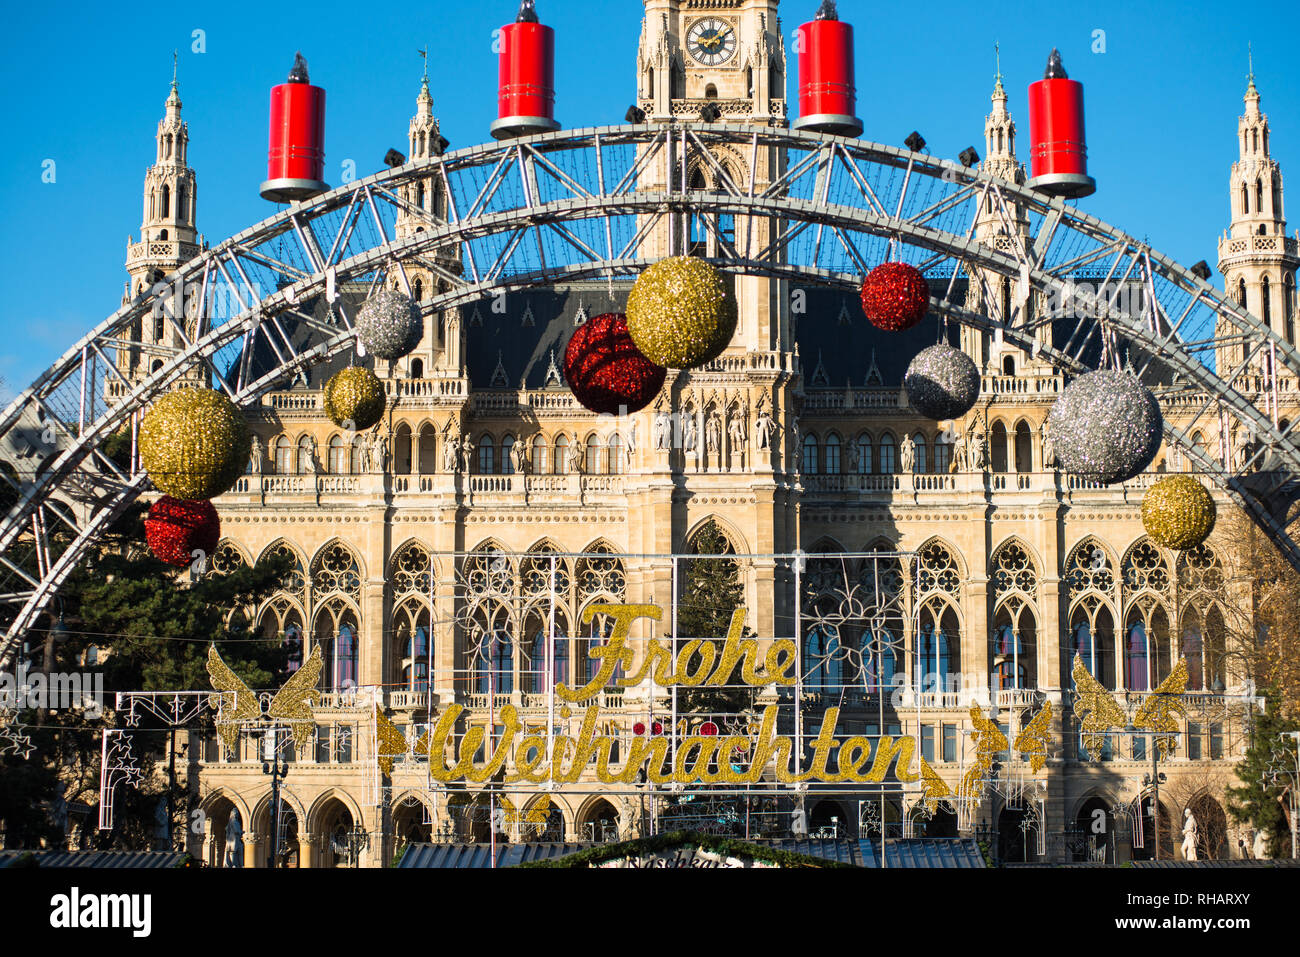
(864, 454)
(338, 456)
(1008, 652)
(1259, 196)
(1245, 199)
(417, 368)
(486, 456)
(1006, 299)
(810, 455)
(180, 202)
(1137, 656)
(832, 454)
(166, 202)
(823, 669)
(919, 460)
(402, 450)
(541, 454)
(1008, 365)
(1288, 306)
(937, 646)
(499, 675)
(999, 447)
(561, 464)
(1024, 447)
(593, 454)
(411, 637)
(888, 457)
(417, 289)
(419, 193)
(283, 456)
(304, 455)
(1241, 293)
(428, 463)
(615, 454)
(942, 454)
(1092, 637)
(507, 455)
(159, 327)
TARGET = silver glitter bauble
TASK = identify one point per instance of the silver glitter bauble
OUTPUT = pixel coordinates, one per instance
(942, 382)
(1106, 426)
(389, 325)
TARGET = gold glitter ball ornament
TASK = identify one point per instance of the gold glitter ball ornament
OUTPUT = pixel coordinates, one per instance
(680, 313)
(1178, 512)
(354, 399)
(194, 443)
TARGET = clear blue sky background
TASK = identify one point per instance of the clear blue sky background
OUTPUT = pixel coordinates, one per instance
(85, 85)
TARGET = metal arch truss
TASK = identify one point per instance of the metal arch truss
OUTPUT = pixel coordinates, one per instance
(604, 203)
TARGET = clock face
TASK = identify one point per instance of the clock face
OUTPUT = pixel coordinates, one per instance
(711, 41)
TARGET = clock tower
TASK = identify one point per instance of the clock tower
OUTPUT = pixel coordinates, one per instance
(719, 59)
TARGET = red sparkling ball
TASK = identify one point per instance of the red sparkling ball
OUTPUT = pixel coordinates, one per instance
(606, 371)
(176, 529)
(895, 297)
(708, 728)
(639, 728)
(657, 728)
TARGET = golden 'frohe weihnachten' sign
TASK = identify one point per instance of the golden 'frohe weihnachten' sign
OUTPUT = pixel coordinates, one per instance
(697, 759)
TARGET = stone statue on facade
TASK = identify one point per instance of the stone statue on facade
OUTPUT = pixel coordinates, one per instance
(577, 459)
(234, 840)
(907, 454)
(519, 458)
(980, 453)
(467, 454)
(313, 456)
(736, 431)
(1191, 834)
(855, 457)
(712, 433)
(690, 432)
(764, 427)
(663, 431)
(960, 454)
(379, 453)
(633, 438)
(1049, 447)
(451, 454)
(258, 458)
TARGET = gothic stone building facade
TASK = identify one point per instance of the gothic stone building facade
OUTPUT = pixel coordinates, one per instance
(798, 438)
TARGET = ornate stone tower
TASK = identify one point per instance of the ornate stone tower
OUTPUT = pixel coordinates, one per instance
(1256, 258)
(167, 241)
(167, 235)
(442, 348)
(993, 294)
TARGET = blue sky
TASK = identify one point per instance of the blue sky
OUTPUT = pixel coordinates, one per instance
(86, 85)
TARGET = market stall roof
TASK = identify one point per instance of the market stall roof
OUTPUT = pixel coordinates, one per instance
(94, 859)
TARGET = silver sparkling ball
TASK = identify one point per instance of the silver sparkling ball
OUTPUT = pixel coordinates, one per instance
(389, 325)
(1106, 426)
(942, 382)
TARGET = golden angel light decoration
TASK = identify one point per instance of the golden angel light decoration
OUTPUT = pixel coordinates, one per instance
(237, 704)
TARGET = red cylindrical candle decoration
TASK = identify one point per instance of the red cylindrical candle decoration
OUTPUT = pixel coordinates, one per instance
(295, 167)
(1058, 154)
(526, 93)
(827, 95)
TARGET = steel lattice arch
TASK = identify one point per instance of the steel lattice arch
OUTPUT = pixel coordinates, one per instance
(575, 205)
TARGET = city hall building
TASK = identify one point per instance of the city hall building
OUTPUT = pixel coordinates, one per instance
(450, 557)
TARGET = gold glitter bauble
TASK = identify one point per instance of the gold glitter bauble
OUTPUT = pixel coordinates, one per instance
(194, 443)
(354, 399)
(1178, 512)
(680, 313)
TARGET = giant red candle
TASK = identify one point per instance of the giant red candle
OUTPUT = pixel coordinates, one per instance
(827, 95)
(1058, 154)
(295, 166)
(526, 89)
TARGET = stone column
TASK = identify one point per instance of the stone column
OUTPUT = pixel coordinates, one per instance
(253, 850)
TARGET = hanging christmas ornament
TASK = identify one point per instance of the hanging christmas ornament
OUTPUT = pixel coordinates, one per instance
(942, 382)
(605, 369)
(1106, 426)
(389, 325)
(895, 296)
(177, 529)
(194, 443)
(354, 399)
(1178, 512)
(680, 313)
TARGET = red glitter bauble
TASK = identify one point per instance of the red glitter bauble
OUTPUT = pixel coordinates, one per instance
(606, 371)
(657, 728)
(176, 529)
(638, 729)
(708, 728)
(895, 297)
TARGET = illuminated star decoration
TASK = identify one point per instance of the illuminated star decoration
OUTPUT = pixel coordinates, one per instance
(13, 741)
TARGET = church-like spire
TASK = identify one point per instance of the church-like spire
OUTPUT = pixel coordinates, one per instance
(1000, 131)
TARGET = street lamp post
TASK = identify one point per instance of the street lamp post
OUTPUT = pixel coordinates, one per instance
(278, 770)
(1153, 779)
